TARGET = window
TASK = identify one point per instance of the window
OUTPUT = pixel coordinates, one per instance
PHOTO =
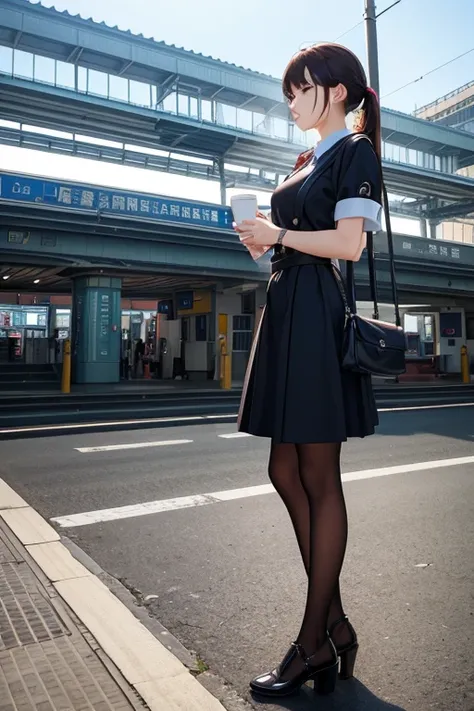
(23, 64)
(242, 334)
(6, 60)
(201, 327)
(248, 302)
(470, 328)
(44, 69)
(65, 75)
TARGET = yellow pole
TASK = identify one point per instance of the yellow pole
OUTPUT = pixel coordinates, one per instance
(466, 378)
(66, 376)
(225, 370)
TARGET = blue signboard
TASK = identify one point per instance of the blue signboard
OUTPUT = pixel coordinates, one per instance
(185, 300)
(73, 196)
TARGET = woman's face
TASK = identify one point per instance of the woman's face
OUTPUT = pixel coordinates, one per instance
(307, 104)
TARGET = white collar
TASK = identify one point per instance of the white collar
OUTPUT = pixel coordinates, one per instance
(326, 143)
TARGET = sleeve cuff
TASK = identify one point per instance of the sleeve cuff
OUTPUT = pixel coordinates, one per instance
(360, 207)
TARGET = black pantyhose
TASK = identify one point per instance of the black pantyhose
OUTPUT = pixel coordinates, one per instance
(308, 479)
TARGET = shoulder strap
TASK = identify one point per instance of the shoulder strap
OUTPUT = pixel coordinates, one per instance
(326, 161)
(350, 280)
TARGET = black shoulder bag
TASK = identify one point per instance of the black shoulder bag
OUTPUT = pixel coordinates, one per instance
(370, 346)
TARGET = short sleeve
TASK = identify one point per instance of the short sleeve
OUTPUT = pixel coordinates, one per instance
(359, 187)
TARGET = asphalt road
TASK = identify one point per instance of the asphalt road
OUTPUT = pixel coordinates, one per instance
(225, 567)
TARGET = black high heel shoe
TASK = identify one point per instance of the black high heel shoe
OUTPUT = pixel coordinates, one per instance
(324, 676)
(348, 652)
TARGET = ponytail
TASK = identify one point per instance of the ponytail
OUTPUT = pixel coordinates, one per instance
(369, 120)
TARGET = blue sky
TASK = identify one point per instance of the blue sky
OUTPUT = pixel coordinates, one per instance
(414, 37)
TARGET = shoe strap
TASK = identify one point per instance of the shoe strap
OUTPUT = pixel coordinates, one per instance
(307, 659)
(336, 623)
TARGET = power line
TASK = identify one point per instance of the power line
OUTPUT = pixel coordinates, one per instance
(349, 30)
(414, 81)
(362, 21)
(397, 2)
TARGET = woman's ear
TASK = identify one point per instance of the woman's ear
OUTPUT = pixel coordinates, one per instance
(339, 94)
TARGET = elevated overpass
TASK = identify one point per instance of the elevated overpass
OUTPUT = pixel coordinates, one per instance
(170, 109)
(54, 231)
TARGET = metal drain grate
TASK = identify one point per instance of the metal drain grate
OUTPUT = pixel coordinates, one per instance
(26, 616)
(59, 674)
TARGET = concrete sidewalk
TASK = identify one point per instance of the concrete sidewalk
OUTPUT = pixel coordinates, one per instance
(66, 641)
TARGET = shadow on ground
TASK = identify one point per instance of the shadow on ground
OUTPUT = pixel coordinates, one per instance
(350, 695)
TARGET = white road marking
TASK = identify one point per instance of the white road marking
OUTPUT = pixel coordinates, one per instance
(235, 435)
(117, 423)
(424, 407)
(182, 502)
(133, 445)
(193, 418)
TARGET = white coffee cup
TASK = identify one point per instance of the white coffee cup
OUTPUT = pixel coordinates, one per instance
(244, 207)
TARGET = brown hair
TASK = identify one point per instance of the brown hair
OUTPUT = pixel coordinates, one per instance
(329, 65)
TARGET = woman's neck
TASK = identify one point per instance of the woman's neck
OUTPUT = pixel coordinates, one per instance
(331, 125)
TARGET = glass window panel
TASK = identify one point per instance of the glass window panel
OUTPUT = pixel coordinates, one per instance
(6, 60)
(97, 83)
(412, 156)
(65, 74)
(23, 64)
(118, 88)
(226, 115)
(244, 119)
(139, 93)
(44, 69)
(193, 105)
(280, 127)
(82, 79)
(206, 110)
(169, 104)
(182, 104)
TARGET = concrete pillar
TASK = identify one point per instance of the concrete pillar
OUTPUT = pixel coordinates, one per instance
(423, 228)
(222, 181)
(433, 225)
(96, 329)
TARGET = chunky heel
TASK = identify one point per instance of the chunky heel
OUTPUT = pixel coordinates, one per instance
(325, 680)
(323, 676)
(346, 652)
(348, 658)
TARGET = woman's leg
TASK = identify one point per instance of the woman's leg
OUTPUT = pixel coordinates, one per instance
(319, 469)
(285, 476)
(283, 470)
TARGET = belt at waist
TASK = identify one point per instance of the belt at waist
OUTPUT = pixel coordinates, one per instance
(297, 260)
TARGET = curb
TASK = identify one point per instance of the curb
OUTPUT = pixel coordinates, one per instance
(158, 672)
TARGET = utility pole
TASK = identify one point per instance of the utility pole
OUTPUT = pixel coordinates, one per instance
(370, 18)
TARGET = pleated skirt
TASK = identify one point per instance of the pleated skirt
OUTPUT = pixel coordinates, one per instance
(295, 390)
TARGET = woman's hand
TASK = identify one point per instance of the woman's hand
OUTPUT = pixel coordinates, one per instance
(258, 233)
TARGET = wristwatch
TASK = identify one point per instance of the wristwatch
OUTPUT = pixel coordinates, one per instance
(280, 236)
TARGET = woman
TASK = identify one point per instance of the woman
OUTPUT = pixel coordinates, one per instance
(295, 391)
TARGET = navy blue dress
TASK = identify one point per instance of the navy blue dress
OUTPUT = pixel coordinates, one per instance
(295, 390)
